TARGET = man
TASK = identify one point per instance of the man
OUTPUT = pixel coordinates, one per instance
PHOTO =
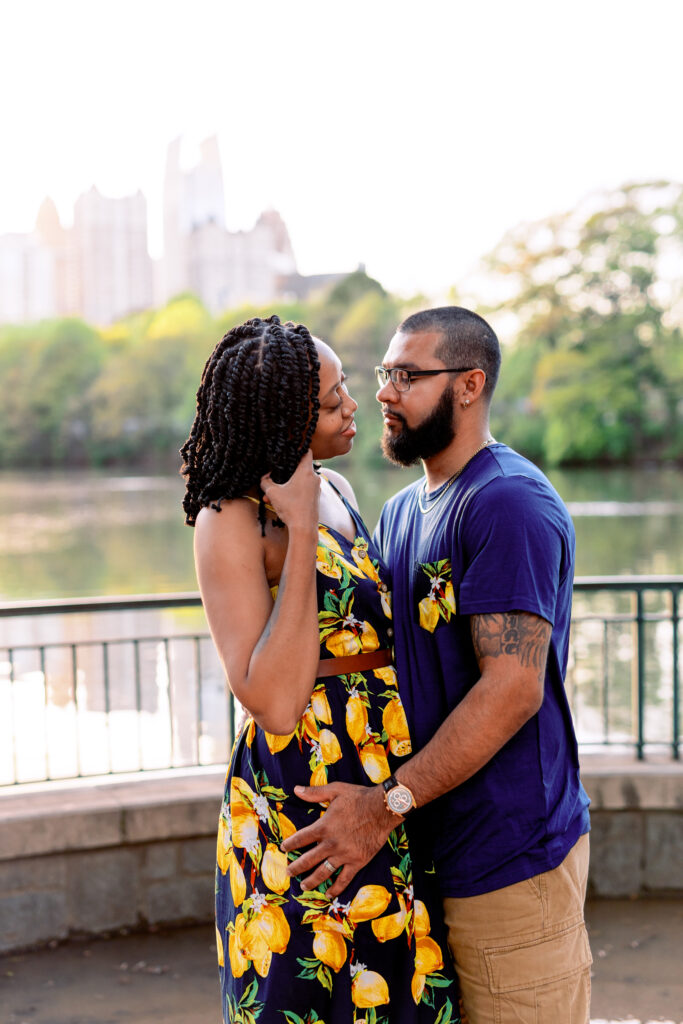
(481, 554)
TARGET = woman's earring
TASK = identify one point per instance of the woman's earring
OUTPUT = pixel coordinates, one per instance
(465, 403)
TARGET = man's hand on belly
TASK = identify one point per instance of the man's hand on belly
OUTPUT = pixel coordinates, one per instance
(352, 830)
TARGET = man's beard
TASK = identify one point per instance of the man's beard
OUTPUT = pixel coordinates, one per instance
(429, 438)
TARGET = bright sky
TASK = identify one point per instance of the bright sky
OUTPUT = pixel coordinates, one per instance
(406, 134)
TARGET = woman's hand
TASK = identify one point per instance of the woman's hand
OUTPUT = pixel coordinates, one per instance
(297, 501)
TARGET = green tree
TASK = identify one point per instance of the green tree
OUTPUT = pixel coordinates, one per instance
(595, 371)
(46, 369)
(144, 403)
(360, 338)
(326, 313)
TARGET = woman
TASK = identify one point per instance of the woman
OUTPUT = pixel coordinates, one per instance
(300, 614)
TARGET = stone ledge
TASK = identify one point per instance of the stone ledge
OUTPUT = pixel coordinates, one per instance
(622, 785)
(94, 855)
(113, 811)
(95, 813)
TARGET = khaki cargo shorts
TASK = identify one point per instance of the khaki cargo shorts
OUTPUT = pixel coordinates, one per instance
(522, 952)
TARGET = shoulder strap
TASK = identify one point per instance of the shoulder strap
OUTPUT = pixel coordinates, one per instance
(256, 502)
(353, 512)
(334, 487)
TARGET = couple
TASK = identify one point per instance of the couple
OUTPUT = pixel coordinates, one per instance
(382, 811)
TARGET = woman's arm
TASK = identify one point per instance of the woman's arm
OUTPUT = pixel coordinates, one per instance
(270, 651)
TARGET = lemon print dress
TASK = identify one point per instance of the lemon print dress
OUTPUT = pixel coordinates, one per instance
(377, 954)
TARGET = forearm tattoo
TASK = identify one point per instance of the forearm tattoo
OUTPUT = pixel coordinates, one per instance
(520, 634)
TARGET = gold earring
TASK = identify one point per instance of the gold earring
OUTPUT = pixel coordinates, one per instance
(465, 403)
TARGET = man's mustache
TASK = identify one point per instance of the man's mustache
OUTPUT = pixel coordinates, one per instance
(396, 415)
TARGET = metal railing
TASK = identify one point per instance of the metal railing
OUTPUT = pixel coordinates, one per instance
(93, 686)
(625, 663)
(85, 692)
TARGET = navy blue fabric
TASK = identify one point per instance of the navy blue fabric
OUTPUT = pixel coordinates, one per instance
(504, 536)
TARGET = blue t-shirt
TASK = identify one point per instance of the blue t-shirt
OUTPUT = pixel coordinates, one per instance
(499, 540)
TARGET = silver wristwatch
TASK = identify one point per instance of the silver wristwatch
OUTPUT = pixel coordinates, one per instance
(397, 798)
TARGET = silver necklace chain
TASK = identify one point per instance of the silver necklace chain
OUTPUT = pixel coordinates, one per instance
(451, 480)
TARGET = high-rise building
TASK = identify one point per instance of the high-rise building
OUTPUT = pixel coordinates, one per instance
(61, 244)
(193, 200)
(100, 268)
(115, 270)
(173, 271)
(222, 267)
(27, 279)
(204, 199)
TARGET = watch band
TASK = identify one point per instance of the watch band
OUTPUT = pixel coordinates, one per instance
(390, 783)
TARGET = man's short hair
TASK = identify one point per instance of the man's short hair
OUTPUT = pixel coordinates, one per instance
(467, 339)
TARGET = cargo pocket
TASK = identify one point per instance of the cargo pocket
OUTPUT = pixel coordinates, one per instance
(543, 980)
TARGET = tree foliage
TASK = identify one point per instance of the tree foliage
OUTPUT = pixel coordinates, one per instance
(47, 373)
(595, 371)
(74, 395)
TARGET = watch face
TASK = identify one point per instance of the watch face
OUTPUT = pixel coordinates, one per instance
(399, 800)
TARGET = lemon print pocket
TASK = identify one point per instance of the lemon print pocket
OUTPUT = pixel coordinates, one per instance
(439, 604)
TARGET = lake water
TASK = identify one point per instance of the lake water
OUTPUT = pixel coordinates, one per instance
(82, 710)
(89, 533)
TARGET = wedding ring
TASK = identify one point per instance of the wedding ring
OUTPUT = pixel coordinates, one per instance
(330, 867)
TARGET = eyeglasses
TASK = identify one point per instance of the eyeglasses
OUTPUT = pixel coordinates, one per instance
(402, 379)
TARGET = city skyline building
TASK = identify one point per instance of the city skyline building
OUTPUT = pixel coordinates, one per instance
(64, 257)
(222, 267)
(100, 268)
(114, 265)
(27, 279)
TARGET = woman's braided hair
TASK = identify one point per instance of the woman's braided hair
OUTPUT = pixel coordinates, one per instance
(257, 409)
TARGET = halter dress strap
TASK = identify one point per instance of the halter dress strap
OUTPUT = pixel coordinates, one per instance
(353, 512)
(257, 502)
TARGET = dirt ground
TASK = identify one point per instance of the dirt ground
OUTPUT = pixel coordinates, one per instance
(171, 977)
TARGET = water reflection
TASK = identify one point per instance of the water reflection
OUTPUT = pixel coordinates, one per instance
(77, 534)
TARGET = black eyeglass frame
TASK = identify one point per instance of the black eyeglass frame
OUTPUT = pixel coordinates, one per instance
(385, 375)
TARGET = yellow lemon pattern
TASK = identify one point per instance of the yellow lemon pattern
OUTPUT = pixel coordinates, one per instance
(284, 951)
(439, 604)
(368, 988)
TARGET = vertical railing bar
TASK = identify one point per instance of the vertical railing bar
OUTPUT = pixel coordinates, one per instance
(74, 677)
(675, 620)
(46, 732)
(138, 697)
(634, 669)
(170, 699)
(12, 683)
(605, 681)
(107, 705)
(571, 696)
(640, 633)
(198, 675)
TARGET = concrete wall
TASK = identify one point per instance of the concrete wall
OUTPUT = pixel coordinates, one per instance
(95, 857)
(636, 828)
(85, 858)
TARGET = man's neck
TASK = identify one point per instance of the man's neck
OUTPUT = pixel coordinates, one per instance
(441, 467)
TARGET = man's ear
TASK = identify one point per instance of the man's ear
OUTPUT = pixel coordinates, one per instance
(473, 386)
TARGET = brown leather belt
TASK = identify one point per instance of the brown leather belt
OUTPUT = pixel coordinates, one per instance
(353, 663)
